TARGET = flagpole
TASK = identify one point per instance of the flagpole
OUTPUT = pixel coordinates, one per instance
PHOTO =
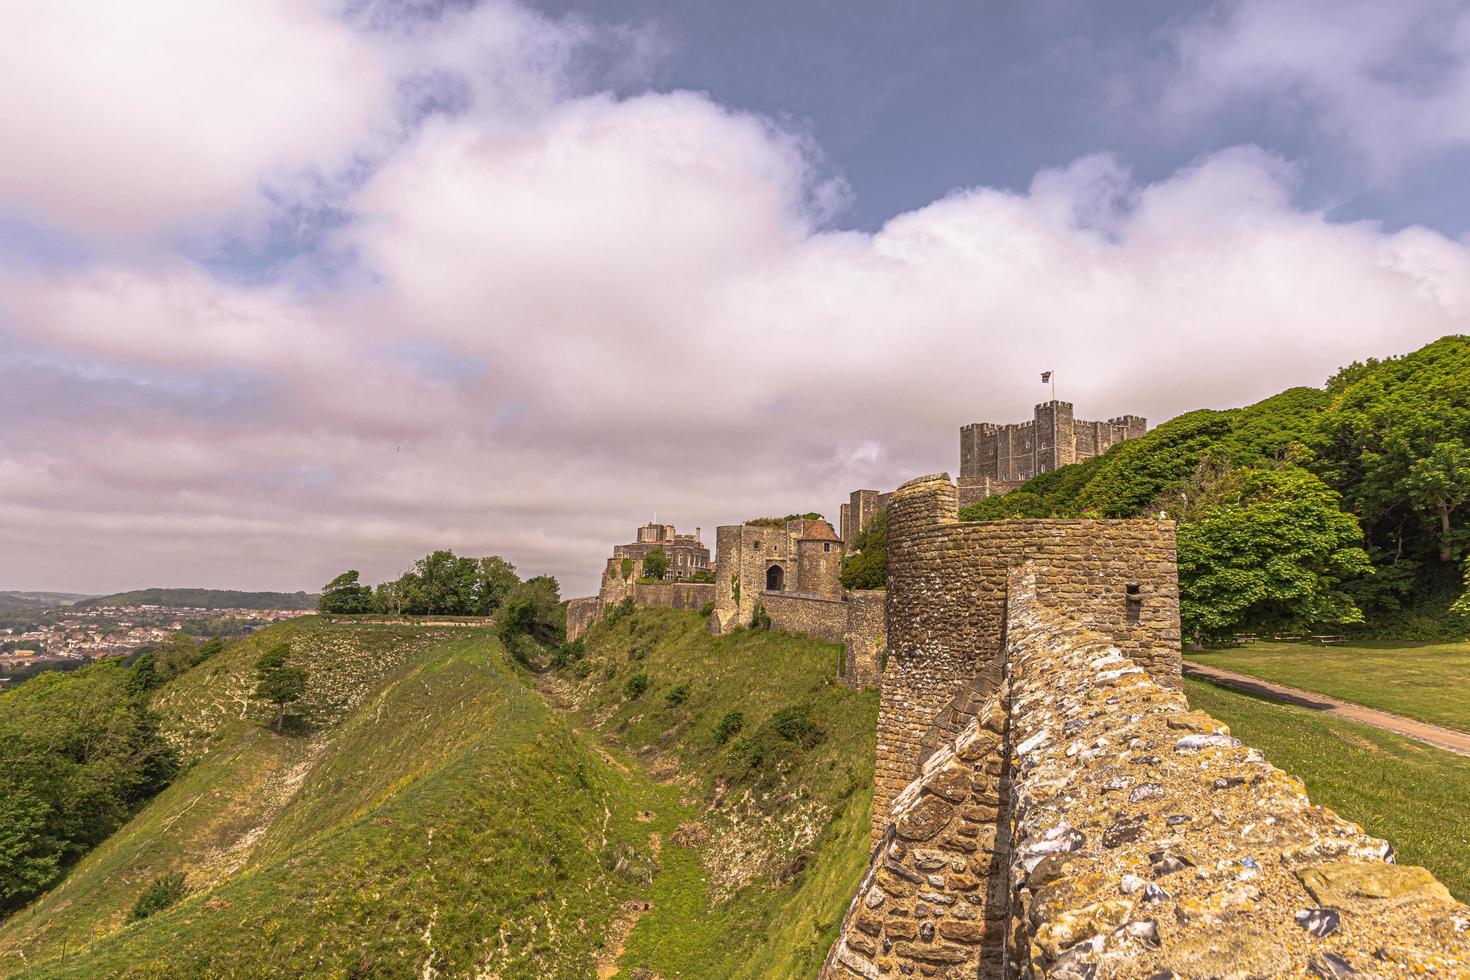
(1053, 386)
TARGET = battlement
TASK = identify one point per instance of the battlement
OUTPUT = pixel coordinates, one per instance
(996, 457)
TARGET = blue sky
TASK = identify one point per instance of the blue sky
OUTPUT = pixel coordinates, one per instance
(299, 285)
(911, 101)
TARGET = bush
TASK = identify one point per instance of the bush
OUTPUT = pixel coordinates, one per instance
(707, 610)
(635, 686)
(764, 753)
(677, 696)
(795, 724)
(523, 649)
(162, 892)
(703, 575)
(729, 727)
(759, 618)
(622, 610)
(626, 568)
(568, 654)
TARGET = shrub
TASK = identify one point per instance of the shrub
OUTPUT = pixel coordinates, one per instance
(568, 654)
(703, 575)
(622, 610)
(729, 726)
(635, 686)
(162, 892)
(523, 649)
(626, 568)
(883, 660)
(707, 610)
(795, 724)
(759, 618)
(677, 696)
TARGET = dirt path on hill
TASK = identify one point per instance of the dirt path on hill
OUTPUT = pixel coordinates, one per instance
(1448, 739)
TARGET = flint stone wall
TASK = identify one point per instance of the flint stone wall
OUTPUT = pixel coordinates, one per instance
(1087, 824)
(946, 611)
(823, 619)
(673, 595)
(1149, 842)
(866, 638)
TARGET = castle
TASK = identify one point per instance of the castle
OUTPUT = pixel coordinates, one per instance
(687, 554)
(1046, 803)
(995, 459)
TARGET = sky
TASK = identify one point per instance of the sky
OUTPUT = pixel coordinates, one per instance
(296, 286)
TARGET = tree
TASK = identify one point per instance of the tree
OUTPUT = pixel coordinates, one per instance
(1440, 483)
(344, 595)
(277, 682)
(656, 563)
(1396, 443)
(1274, 550)
(80, 753)
(391, 597)
(495, 579)
(867, 566)
(533, 609)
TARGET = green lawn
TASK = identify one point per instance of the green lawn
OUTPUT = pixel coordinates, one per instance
(1427, 681)
(1412, 795)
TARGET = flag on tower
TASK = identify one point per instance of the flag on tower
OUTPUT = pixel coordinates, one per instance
(1045, 376)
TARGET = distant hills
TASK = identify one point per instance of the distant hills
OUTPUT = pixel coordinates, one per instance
(13, 602)
(204, 599)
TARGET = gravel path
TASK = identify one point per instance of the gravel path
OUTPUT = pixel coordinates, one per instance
(1448, 739)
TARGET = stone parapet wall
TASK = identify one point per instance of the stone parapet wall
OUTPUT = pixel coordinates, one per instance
(822, 619)
(946, 610)
(866, 637)
(673, 595)
(1087, 824)
(933, 903)
(1150, 843)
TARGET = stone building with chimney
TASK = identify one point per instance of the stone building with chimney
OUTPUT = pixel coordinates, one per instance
(687, 555)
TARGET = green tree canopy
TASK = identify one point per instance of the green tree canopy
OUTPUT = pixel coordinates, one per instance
(867, 566)
(278, 682)
(1273, 549)
(534, 609)
(656, 563)
(79, 754)
(344, 594)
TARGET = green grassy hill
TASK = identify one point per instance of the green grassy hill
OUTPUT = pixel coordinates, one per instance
(205, 599)
(439, 817)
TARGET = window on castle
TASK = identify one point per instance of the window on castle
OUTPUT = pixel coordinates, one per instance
(826, 545)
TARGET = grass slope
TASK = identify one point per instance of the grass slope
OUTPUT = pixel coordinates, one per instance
(1427, 681)
(1407, 792)
(437, 817)
(765, 836)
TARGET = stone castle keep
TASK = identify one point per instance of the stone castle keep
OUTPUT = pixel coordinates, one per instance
(996, 459)
(1045, 802)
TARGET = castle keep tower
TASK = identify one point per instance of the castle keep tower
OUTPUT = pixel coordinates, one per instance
(995, 459)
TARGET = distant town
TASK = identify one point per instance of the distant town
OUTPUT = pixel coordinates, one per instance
(72, 637)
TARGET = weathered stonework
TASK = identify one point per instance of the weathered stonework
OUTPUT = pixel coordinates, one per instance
(865, 638)
(946, 610)
(998, 458)
(755, 563)
(1087, 824)
(1148, 842)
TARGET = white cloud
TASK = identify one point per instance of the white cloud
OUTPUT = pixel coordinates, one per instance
(571, 311)
(1390, 81)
